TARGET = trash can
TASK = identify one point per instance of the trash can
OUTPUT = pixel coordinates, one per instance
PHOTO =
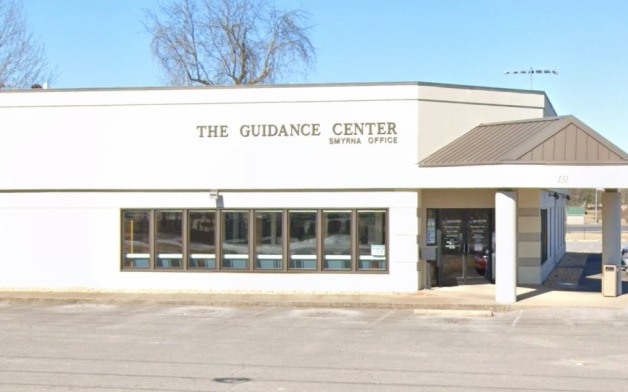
(430, 255)
(610, 277)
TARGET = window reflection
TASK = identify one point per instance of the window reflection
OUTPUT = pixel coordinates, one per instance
(268, 240)
(235, 243)
(136, 234)
(169, 239)
(202, 239)
(337, 240)
(372, 240)
(303, 240)
(351, 240)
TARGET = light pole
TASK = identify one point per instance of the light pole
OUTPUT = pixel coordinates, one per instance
(595, 205)
(531, 71)
(596, 200)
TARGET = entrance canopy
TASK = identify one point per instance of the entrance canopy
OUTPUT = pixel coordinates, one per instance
(561, 140)
(544, 153)
(547, 153)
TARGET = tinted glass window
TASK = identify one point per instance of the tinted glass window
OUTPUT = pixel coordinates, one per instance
(268, 240)
(303, 240)
(169, 239)
(136, 239)
(235, 239)
(202, 239)
(372, 240)
(337, 240)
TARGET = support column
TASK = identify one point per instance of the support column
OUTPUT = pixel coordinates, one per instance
(611, 230)
(506, 247)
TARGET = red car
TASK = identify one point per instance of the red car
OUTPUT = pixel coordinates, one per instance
(480, 263)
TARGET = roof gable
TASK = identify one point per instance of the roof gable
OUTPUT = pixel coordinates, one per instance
(561, 140)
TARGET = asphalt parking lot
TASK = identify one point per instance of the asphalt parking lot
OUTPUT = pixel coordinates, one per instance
(158, 347)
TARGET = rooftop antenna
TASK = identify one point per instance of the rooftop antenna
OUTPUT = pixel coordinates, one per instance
(531, 71)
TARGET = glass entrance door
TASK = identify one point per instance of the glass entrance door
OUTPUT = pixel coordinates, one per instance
(466, 241)
(451, 270)
(478, 246)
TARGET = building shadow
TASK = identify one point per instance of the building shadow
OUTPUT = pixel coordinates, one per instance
(591, 279)
(534, 291)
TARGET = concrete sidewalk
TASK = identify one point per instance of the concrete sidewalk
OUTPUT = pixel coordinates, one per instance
(473, 297)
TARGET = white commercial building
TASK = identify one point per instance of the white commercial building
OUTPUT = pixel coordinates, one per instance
(315, 188)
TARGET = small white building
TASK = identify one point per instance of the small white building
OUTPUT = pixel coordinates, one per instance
(331, 188)
(575, 215)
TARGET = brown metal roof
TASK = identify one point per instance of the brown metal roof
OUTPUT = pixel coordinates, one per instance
(563, 140)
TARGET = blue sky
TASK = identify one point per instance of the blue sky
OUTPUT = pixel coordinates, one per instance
(102, 43)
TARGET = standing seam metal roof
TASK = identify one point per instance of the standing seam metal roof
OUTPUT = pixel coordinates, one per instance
(552, 140)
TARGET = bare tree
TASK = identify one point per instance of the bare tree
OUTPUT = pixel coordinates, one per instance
(22, 60)
(210, 42)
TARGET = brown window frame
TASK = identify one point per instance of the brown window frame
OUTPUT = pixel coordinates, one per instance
(255, 244)
(317, 239)
(251, 262)
(222, 235)
(188, 240)
(340, 259)
(149, 265)
(155, 240)
(357, 242)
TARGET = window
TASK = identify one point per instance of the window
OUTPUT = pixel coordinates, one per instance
(543, 235)
(255, 240)
(337, 240)
(169, 239)
(202, 239)
(372, 240)
(235, 240)
(303, 240)
(268, 240)
(136, 239)
(430, 230)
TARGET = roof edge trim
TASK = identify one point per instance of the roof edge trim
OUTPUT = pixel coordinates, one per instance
(264, 86)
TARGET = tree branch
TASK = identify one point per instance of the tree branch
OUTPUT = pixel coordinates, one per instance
(228, 41)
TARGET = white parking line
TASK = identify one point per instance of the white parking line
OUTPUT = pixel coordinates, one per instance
(516, 321)
(254, 315)
(382, 317)
(11, 306)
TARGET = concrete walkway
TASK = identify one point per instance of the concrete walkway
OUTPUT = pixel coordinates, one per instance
(473, 297)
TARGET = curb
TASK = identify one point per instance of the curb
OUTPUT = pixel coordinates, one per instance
(453, 312)
(442, 309)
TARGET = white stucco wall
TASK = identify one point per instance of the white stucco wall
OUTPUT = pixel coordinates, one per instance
(72, 241)
(555, 230)
(134, 139)
(449, 112)
(150, 139)
(71, 160)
